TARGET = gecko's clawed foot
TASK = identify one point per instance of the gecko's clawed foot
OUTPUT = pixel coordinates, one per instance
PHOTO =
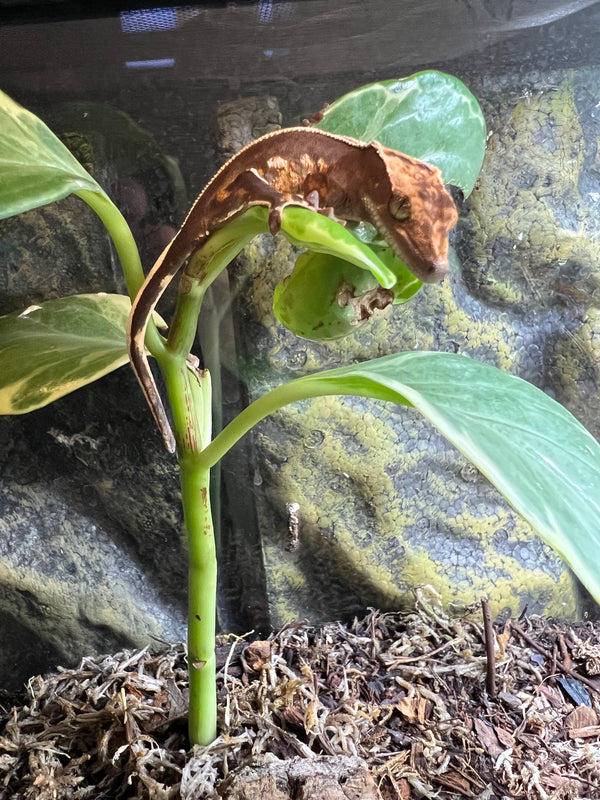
(275, 220)
(193, 362)
(313, 199)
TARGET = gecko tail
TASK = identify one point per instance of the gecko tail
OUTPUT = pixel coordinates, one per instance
(142, 371)
(160, 416)
(143, 305)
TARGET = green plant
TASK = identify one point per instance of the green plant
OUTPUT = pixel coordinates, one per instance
(542, 460)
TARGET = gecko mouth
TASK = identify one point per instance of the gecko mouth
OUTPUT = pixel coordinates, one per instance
(420, 266)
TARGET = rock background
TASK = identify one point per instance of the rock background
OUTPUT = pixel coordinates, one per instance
(395, 505)
(92, 556)
(91, 552)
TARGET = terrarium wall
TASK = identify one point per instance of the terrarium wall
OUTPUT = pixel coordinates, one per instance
(92, 554)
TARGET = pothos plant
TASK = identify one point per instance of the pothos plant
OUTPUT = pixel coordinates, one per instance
(533, 450)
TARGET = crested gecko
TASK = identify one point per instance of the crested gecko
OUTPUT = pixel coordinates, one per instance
(402, 197)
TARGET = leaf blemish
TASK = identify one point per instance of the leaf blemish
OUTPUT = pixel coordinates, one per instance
(29, 310)
(365, 305)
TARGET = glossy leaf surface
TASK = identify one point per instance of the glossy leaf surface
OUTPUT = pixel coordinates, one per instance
(319, 234)
(317, 301)
(35, 166)
(313, 301)
(50, 350)
(532, 449)
(309, 302)
(429, 115)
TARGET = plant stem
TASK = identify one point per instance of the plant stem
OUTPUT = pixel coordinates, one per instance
(127, 251)
(121, 235)
(202, 720)
(189, 396)
(190, 399)
(319, 384)
(185, 319)
(299, 389)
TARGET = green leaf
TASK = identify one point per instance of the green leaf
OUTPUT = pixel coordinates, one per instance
(531, 448)
(50, 350)
(319, 234)
(407, 284)
(313, 301)
(325, 297)
(429, 115)
(35, 166)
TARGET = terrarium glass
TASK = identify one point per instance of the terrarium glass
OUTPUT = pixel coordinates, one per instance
(152, 101)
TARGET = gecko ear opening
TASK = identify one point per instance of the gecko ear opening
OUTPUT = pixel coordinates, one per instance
(399, 207)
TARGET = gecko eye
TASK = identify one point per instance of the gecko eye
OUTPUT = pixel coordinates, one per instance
(399, 207)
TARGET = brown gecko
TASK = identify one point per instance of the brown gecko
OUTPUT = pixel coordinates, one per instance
(402, 197)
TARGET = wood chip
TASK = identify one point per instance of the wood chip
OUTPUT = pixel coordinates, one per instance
(581, 717)
(584, 733)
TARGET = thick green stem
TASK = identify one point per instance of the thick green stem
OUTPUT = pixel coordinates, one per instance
(189, 396)
(202, 721)
(121, 235)
(190, 400)
(185, 319)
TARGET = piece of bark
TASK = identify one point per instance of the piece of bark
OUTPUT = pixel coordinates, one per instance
(319, 778)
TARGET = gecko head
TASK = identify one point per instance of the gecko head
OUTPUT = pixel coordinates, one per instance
(413, 212)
